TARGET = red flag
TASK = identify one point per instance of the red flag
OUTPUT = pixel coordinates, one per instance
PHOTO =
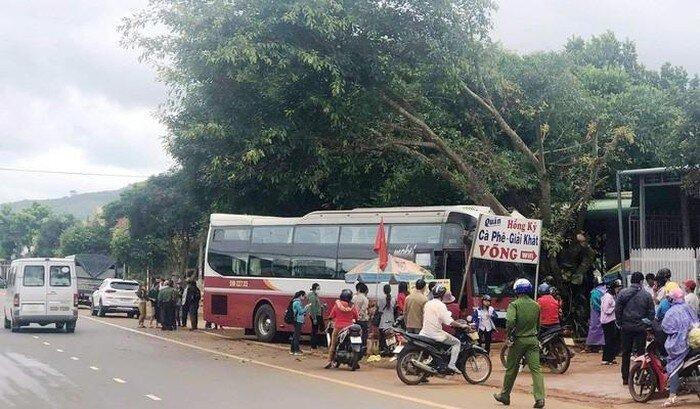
(380, 246)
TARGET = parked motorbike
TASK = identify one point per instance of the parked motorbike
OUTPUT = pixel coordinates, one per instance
(348, 350)
(648, 373)
(422, 357)
(554, 350)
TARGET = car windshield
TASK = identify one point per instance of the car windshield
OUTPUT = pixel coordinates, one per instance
(496, 278)
(123, 285)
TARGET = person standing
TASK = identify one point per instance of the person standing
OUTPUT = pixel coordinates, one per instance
(595, 338)
(316, 314)
(361, 304)
(153, 299)
(522, 324)
(631, 306)
(690, 297)
(607, 320)
(166, 298)
(485, 324)
(179, 322)
(677, 322)
(142, 295)
(413, 308)
(191, 305)
(299, 310)
(649, 284)
(385, 309)
(401, 298)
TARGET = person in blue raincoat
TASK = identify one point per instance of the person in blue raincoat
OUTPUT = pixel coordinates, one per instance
(677, 321)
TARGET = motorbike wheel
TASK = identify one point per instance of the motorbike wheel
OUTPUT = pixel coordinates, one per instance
(642, 383)
(354, 361)
(504, 354)
(559, 357)
(407, 372)
(477, 367)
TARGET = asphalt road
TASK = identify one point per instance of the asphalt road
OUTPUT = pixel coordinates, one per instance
(106, 367)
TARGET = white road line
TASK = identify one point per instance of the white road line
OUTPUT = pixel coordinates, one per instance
(153, 397)
(46, 343)
(74, 358)
(59, 350)
(281, 368)
(35, 337)
(118, 380)
(94, 368)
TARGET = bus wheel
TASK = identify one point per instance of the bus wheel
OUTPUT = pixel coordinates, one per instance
(265, 324)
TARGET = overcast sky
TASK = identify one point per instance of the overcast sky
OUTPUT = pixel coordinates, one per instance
(71, 99)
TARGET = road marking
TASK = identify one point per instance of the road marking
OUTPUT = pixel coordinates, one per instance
(153, 397)
(46, 343)
(94, 368)
(35, 337)
(74, 358)
(281, 368)
(118, 380)
(59, 350)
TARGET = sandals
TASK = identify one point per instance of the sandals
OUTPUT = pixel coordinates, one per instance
(671, 401)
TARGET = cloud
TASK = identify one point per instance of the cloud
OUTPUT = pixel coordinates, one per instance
(72, 98)
(664, 31)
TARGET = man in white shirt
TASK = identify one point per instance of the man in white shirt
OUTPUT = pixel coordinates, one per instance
(435, 315)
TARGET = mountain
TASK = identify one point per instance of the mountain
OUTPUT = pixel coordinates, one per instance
(79, 205)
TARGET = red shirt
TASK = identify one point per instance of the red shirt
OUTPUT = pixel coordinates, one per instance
(342, 319)
(549, 310)
(401, 302)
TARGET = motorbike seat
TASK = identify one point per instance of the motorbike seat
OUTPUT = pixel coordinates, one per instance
(425, 339)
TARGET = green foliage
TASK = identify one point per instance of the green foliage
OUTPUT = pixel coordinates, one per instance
(32, 231)
(48, 239)
(85, 238)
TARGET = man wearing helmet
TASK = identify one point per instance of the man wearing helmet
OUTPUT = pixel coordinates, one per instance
(435, 315)
(550, 307)
(522, 324)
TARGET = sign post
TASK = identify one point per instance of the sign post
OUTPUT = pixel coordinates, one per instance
(508, 239)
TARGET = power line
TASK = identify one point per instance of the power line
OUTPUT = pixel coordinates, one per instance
(59, 172)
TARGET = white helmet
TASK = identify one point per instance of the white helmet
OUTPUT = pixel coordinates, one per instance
(522, 286)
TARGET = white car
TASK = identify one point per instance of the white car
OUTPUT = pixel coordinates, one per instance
(116, 295)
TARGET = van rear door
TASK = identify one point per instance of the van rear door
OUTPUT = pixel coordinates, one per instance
(32, 289)
(60, 290)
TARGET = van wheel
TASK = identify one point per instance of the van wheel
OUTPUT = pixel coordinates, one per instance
(93, 311)
(14, 326)
(70, 327)
(60, 325)
(265, 323)
(8, 324)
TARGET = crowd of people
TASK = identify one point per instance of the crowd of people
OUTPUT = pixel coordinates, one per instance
(169, 303)
(623, 315)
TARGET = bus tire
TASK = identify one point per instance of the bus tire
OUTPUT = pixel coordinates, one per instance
(265, 323)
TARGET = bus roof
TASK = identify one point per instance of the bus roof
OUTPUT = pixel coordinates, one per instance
(426, 214)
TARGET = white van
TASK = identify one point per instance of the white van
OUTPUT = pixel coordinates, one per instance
(42, 291)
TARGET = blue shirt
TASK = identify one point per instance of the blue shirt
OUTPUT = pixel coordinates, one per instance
(664, 306)
(299, 310)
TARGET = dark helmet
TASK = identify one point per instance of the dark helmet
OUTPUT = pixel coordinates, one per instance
(486, 297)
(346, 295)
(439, 291)
(543, 289)
(420, 284)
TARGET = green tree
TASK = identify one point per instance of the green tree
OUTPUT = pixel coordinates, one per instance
(48, 239)
(85, 238)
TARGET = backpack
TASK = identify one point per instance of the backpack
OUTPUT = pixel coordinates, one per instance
(289, 314)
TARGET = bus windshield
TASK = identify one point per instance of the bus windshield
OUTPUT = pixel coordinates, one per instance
(496, 278)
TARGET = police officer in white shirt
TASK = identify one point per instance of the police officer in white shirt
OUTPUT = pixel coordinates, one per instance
(435, 315)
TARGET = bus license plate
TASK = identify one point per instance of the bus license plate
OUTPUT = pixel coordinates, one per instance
(398, 349)
(356, 340)
(569, 342)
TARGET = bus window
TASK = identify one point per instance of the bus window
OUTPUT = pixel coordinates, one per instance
(413, 234)
(358, 234)
(316, 235)
(269, 266)
(496, 278)
(228, 264)
(345, 265)
(453, 236)
(272, 235)
(313, 268)
(231, 234)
